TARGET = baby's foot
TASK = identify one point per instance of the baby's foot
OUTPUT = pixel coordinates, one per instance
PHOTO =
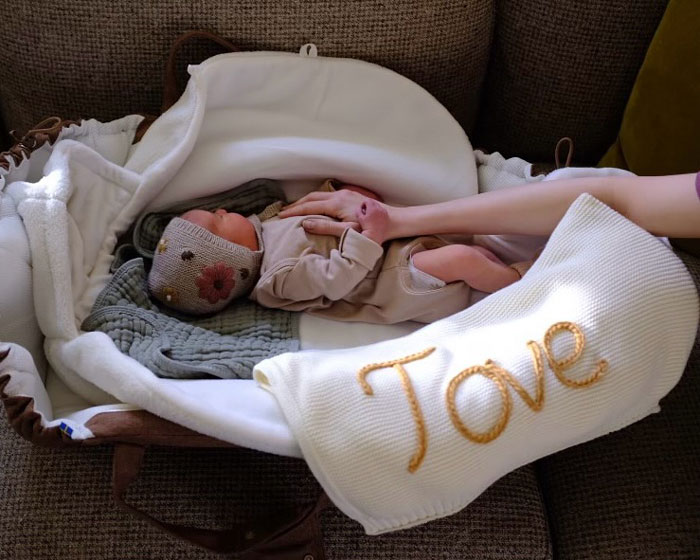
(373, 219)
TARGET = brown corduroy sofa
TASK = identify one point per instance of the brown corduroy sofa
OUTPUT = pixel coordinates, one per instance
(518, 75)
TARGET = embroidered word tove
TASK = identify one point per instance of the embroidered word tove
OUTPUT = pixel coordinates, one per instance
(501, 377)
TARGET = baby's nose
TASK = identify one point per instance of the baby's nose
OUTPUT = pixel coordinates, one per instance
(220, 211)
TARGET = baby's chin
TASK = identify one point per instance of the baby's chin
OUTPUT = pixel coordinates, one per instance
(251, 244)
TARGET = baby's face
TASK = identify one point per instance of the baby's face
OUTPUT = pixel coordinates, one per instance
(229, 225)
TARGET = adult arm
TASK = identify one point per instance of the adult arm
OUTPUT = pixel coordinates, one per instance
(665, 205)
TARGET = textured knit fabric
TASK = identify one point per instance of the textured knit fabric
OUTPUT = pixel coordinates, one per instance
(562, 69)
(97, 59)
(397, 445)
(634, 493)
(195, 271)
(225, 345)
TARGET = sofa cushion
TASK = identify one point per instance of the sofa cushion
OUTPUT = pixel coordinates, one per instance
(57, 504)
(562, 69)
(85, 58)
(660, 133)
(633, 493)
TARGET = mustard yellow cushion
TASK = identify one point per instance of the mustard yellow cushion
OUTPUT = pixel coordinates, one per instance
(660, 131)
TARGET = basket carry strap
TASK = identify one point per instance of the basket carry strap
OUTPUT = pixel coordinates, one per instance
(171, 90)
(46, 131)
(290, 534)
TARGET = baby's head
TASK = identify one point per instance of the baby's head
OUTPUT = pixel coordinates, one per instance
(204, 260)
(227, 225)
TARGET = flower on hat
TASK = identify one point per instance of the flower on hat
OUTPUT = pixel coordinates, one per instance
(215, 282)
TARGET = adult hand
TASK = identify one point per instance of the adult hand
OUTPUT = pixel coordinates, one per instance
(372, 222)
(342, 205)
(349, 206)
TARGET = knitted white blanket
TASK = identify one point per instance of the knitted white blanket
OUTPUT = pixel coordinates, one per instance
(411, 429)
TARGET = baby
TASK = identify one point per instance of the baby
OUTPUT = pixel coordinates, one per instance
(205, 260)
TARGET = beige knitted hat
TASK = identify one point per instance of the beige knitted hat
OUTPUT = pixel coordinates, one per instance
(197, 272)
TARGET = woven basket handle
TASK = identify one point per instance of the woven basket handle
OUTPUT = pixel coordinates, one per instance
(290, 534)
(172, 91)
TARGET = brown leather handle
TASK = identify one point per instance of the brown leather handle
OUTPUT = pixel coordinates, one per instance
(293, 534)
(172, 91)
(46, 131)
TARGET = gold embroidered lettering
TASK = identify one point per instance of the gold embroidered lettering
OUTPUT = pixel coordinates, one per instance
(421, 433)
(537, 403)
(506, 403)
(560, 365)
(500, 377)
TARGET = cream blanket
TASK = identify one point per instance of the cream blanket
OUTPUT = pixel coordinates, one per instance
(411, 429)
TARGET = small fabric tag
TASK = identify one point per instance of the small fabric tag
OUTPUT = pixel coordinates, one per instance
(309, 49)
(66, 429)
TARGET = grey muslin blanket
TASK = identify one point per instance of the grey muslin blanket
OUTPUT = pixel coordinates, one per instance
(227, 344)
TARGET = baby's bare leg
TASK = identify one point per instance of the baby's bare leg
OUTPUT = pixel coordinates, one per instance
(466, 263)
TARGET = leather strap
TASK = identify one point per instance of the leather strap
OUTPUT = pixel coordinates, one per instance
(290, 534)
(46, 131)
(172, 91)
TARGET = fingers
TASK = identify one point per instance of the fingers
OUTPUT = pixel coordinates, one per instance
(324, 207)
(328, 227)
(340, 204)
(310, 200)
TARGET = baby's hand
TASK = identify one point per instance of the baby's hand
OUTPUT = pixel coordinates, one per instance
(373, 219)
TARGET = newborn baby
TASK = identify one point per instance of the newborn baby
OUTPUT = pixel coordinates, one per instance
(205, 260)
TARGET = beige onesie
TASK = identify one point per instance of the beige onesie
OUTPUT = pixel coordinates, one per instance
(351, 278)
